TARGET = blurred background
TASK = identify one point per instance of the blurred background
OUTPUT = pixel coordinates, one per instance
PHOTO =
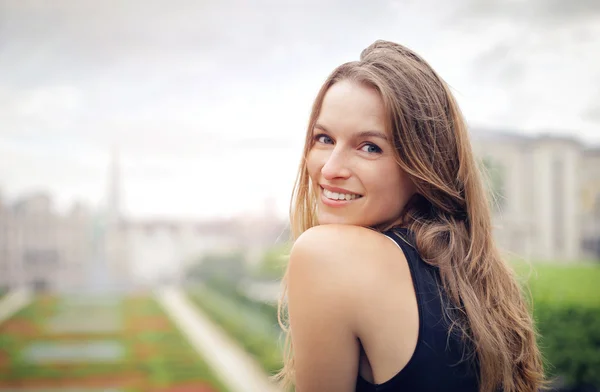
(148, 150)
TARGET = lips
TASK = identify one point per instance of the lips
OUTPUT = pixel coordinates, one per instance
(337, 196)
(338, 190)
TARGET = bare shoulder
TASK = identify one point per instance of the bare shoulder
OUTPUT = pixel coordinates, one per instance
(349, 284)
(340, 239)
(351, 263)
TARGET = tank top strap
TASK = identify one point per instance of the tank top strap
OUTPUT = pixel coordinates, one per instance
(405, 240)
(425, 276)
(401, 236)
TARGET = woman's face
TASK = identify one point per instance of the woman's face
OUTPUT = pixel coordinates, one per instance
(351, 163)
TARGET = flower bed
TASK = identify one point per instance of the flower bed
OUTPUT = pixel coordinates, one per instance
(145, 353)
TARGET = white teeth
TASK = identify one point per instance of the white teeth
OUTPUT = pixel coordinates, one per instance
(339, 196)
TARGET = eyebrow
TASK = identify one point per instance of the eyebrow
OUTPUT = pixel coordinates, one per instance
(363, 134)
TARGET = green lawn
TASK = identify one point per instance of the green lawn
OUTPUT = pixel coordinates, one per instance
(562, 283)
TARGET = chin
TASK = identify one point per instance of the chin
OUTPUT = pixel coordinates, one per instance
(330, 219)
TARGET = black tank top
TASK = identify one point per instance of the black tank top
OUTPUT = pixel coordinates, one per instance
(439, 362)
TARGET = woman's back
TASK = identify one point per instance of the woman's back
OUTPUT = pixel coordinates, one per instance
(440, 361)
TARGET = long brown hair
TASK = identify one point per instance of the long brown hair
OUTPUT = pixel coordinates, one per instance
(449, 215)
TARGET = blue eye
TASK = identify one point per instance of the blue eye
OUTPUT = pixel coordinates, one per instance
(323, 139)
(371, 148)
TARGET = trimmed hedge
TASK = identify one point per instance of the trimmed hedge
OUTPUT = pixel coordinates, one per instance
(248, 325)
(570, 341)
(566, 300)
(268, 310)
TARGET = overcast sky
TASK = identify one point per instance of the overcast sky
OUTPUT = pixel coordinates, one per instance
(207, 101)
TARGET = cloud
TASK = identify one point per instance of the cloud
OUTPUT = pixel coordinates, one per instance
(592, 113)
(219, 92)
(51, 108)
(542, 13)
(236, 38)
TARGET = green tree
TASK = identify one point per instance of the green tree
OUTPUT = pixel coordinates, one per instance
(221, 268)
(273, 263)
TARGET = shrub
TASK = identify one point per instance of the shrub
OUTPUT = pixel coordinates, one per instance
(566, 300)
(570, 341)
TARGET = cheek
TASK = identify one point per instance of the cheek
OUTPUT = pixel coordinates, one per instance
(314, 164)
(391, 185)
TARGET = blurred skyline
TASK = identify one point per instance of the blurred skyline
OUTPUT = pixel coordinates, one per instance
(207, 102)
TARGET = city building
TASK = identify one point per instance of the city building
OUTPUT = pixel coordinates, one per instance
(547, 194)
(41, 248)
(546, 207)
(102, 249)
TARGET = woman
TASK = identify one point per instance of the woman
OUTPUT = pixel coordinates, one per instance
(394, 282)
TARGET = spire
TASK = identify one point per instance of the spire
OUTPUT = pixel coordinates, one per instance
(114, 191)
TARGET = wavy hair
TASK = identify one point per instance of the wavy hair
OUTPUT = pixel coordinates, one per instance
(449, 216)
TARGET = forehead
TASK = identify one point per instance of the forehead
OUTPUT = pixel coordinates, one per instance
(352, 107)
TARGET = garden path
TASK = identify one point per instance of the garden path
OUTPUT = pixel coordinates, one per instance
(238, 370)
(14, 301)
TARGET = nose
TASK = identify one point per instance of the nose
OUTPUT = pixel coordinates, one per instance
(336, 166)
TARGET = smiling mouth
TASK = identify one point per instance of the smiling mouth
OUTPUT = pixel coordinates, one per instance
(340, 196)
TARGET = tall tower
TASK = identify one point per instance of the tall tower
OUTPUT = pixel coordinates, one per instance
(112, 230)
(113, 207)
